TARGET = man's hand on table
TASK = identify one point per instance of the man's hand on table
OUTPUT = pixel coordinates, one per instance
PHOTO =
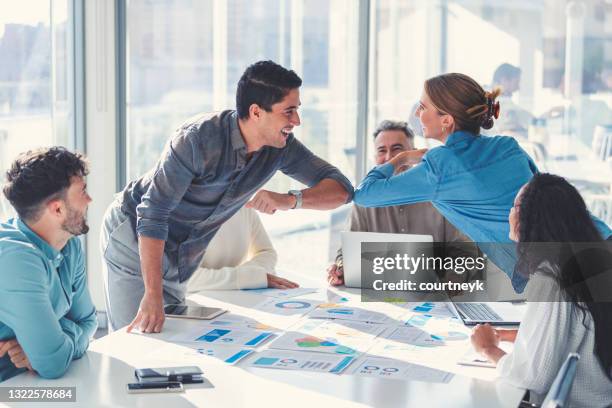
(150, 317)
(16, 353)
(280, 283)
(335, 275)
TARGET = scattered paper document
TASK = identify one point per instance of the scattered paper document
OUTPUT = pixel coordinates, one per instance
(438, 309)
(304, 342)
(237, 321)
(282, 293)
(398, 370)
(414, 336)
(296, 307)
(344, 312)
(224, 336)
(190, 351)
(329, 336)
(301, 361)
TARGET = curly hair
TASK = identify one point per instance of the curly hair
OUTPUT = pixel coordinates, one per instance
(40, 175)
(555, 225)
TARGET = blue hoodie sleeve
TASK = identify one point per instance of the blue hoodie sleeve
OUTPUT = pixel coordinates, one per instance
(24, 290)
(380, 188)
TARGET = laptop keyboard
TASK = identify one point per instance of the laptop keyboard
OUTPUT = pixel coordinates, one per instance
(478, 312)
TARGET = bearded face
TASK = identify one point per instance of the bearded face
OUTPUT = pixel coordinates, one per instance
(75, 222)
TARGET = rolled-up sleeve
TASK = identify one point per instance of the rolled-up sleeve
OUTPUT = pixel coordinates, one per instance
(171, 179)
(303, 165)
(380, 188)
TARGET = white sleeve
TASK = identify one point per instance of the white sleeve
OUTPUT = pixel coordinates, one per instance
(540, 346)
(251, 274)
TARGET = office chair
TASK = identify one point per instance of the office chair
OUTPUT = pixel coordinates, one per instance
(559, 390)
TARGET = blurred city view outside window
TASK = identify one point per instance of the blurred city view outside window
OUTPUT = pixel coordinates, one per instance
(185, 57)
(35, 80)
(553, 59)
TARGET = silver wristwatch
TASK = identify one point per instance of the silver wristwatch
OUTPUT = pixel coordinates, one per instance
(298, 198)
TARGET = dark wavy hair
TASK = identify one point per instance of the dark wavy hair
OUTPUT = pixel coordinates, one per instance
(555, 226)
(38, 176)
(264, 83)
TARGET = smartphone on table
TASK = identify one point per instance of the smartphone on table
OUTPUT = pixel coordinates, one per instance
(159, 386)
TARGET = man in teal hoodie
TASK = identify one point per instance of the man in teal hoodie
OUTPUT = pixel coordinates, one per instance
(46, 313)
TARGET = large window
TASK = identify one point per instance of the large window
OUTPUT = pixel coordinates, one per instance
(185, 57)
(552, 57)
(36, 79)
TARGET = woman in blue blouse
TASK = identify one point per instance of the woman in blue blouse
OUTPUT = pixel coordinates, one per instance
(472, 179)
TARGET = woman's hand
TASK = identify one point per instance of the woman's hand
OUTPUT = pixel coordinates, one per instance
(484, 336)
(407, 159)
(485, 340)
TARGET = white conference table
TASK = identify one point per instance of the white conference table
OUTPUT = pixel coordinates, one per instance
(100, 377)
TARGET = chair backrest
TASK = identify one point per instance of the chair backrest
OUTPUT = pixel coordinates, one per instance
(562, 385)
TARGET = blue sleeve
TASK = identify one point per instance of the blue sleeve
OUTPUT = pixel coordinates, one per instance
(27, 310)
(603, 228)
(380, 188)
(80, 321)
(307, 168)
(172, 177)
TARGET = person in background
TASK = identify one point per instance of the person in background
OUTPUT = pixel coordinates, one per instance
(472, 179)
(563, 314)
(515, 120)
(46, 313)
(390, 139)
(240, 256)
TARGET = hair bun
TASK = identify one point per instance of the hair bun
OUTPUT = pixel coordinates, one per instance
(492, 109)
(487, 123)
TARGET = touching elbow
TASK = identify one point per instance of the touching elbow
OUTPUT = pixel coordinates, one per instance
(343, 197)
(361, 198)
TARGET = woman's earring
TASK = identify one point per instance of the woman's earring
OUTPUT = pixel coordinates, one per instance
(443, 129)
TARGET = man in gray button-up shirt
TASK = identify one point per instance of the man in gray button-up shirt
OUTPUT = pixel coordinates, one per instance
(157, 231)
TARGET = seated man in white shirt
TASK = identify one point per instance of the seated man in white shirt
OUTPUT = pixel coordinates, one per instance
(240, 256)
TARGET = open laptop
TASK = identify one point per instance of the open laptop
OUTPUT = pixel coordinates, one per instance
(351, 251)
(495, 313)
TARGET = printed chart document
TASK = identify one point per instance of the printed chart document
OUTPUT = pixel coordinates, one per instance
(301, 361)
(190, 351)
(243, 337)
(329, 336)
(282, 293)
(438, 309)
(288, 307)
(237, 321)
(414, 336)
(345, 312)
(398, 370)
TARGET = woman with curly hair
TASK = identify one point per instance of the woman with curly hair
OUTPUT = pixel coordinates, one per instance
(569, 296)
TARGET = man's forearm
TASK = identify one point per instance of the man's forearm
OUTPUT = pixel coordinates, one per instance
(326, 195)
(151, 255)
